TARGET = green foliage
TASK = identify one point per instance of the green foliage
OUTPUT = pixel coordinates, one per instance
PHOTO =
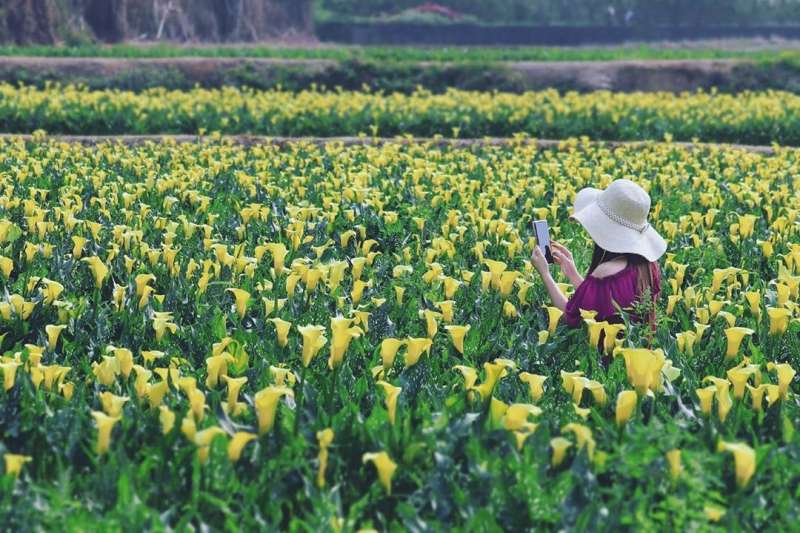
(455, 470)
(750, 117)
(383, 54)
(584, 12)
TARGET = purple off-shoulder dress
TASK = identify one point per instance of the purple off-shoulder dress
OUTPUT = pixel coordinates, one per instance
(599, 294)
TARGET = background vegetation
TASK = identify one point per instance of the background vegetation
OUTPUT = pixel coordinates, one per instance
(578, 12)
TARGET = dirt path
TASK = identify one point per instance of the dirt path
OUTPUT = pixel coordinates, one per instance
(252, 140)
(660, 75)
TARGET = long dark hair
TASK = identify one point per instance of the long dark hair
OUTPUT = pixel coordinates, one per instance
(645, 270)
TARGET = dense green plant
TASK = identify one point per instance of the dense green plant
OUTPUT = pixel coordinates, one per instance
(748, 117)
(416, 217)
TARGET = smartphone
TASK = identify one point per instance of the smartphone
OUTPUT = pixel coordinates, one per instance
(542, 232)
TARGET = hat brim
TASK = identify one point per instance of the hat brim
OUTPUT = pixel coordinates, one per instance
(613, 236)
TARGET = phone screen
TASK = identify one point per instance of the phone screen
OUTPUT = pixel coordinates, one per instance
(542, 233)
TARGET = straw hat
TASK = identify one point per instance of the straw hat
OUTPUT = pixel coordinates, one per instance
(616, 219)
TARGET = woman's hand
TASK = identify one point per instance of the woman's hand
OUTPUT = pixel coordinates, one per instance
(563, 258)
(539, 261)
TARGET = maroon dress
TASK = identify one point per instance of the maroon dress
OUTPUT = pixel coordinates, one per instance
(599, 294)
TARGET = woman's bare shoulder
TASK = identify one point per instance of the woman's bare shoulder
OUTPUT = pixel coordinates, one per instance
(609, 268)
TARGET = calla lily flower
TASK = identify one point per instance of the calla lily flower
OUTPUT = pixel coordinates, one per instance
(685, 341)
(392, 394)
(167, 419)
(266, 404)
(559, 445)
(415, 347)
(469, 374)
(778, 320)
(14, 463)
(583, 435)
(722, 394)
(9, 369)
(430, 321)
(706, 397)
(594, 330)
(141, 281)
(113, 404)
(385, 467)
(735, 336)
(535, 384)
(281, 330)
(554, 315)
(785, 376)
(242, 298)
(611, 331)
(389, 348)
(237, 443)
(53, 332)
(644, 368)
(162, 323)
(105, 424)
(98, 268)
(494, 372)
(203, 440)
(626, 405)
(217, 366)
(156, 393)
(754, 301)
(325, 439)
(457, 334)
(517, 414)
(6, 266)
(313, 341)
(744, 458)
(51, 291)
(674, 461)
(341, 335)
(234, 386)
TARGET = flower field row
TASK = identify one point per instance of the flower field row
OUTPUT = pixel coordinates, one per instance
(754, 118)
(341, 337)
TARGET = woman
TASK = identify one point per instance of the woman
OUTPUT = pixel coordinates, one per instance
(623, 273)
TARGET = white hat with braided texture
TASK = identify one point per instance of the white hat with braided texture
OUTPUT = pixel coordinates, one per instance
(616, 219)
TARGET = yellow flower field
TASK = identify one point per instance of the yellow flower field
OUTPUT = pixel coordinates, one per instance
(353, 337)
(749, 117)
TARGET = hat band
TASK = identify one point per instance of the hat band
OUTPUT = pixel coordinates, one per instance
(619, 220)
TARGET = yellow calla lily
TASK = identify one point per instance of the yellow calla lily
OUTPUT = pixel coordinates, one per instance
(105, 424)
(325, 439)
(735, 336)
(281, 330)
(389, 349)
(535, 384)
(14, 463)
(242, 298)
(392, 394)
(266, 404)
(674, 461)
(385, 467)
(98, 268)
(457, 334)
(626, 405)
(415, 348)
(785, 376)
(314, 340)
(341, 335)
(559, 445)
(237, 443)
(744, 458)
(778, 320)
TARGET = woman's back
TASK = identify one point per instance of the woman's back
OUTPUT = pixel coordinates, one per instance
(611, 285)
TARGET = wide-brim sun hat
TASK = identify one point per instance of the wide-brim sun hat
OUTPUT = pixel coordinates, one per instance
(616, 219)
